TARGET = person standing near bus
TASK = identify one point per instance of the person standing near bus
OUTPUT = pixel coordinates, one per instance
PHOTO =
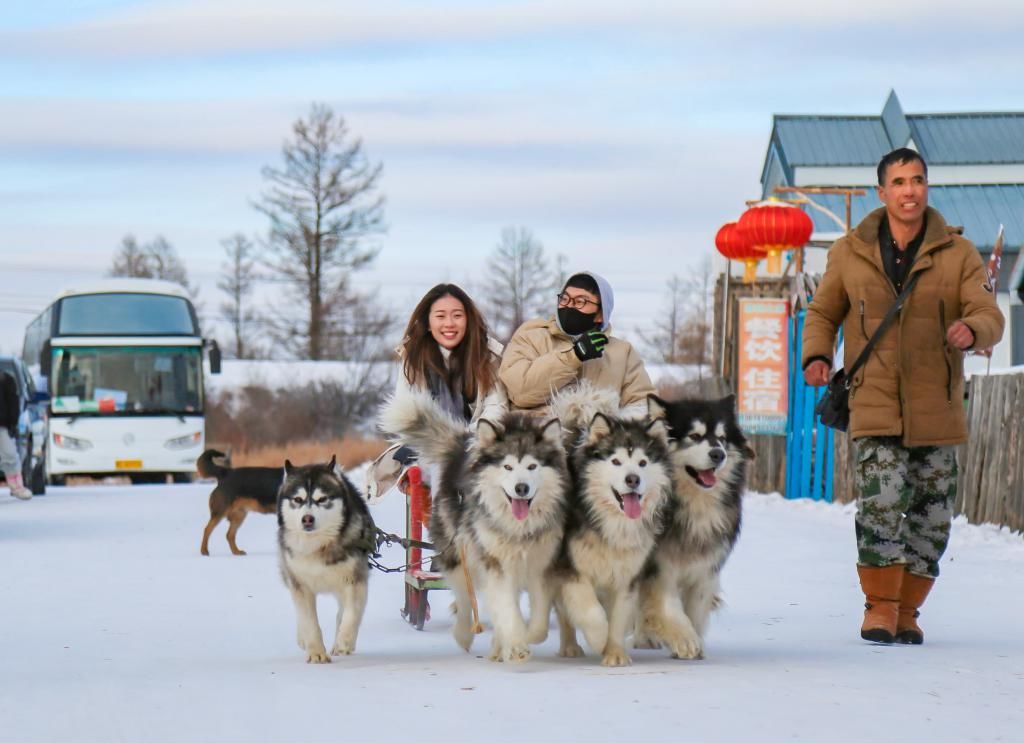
(10, 462)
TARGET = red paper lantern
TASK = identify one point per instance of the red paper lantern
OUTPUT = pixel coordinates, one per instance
(733, 243)
(773, 226)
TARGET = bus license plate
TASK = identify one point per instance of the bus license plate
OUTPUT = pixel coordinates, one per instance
(128, 464)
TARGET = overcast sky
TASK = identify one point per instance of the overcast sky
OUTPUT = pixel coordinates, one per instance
(622, 134)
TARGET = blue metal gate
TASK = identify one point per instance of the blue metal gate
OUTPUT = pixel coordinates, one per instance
(808, 443)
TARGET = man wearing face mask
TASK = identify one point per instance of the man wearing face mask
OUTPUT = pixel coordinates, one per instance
(544, 356)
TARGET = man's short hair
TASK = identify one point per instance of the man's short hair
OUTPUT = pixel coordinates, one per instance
(901, 156)
(584, 282)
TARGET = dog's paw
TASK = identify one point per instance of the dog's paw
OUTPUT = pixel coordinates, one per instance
(510, 654)
(687, 646)
(517, 653)
(615, 657)
(646, 644)
(240, 553)
(643, 641)
(343, 648)
(570, 650)
(318, 655)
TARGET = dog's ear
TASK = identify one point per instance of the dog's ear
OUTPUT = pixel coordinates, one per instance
(486, 432)
(728, 402)
(599, 427)
(288, 467)
(552, 431)
(655, 407)
(658, 430)
(333, 464)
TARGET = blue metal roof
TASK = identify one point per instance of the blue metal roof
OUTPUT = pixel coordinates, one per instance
(969, 139)
(832, 140)
(942, 138)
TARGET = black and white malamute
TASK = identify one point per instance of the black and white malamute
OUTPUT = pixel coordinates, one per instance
(499, 505)
(622, 485)
(709, 456)
(325, 534)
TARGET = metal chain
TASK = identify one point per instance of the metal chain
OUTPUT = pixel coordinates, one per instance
(383, 538)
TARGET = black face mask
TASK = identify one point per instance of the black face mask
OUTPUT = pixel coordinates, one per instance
(575, 322)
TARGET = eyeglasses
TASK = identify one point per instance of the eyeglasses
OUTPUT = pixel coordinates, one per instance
(579, 303)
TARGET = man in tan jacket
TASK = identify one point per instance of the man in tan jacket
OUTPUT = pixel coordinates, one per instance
(544, 356)
(906, 401)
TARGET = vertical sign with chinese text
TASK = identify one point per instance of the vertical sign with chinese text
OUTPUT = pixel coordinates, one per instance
(763, 351)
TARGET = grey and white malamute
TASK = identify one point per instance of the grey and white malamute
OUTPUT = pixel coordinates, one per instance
(325, 534)
(622, 484)
(709, 456)
(498, 511)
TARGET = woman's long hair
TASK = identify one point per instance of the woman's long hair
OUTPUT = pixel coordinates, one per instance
(469, 362)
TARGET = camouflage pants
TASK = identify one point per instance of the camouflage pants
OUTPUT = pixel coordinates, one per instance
(904, 503)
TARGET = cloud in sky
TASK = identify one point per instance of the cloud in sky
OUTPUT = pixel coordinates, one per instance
(233, 26)
(622, 134)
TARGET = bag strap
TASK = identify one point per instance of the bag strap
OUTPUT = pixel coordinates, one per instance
(886, 322)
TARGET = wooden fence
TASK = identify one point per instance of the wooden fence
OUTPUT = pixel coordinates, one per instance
(991, 486)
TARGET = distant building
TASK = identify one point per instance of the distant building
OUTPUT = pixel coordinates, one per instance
(975, 175)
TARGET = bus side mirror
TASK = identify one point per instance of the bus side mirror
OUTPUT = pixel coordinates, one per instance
(46, 359)
(214, 357)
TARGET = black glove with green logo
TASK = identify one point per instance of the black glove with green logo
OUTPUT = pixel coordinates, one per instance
(590, 345)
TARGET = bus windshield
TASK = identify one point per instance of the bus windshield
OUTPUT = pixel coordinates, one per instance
(125, 314)
(150, 380)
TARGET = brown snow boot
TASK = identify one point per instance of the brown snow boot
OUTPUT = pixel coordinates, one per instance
(881, 588)
(913, 593)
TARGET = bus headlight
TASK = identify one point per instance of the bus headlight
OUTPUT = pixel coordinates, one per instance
(70, 442)
(185, 442)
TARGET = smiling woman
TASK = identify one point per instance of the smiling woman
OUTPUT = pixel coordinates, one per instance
(446, 349)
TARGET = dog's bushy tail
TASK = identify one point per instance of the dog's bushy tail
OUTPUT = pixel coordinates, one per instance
(208, 468)
(575, 406)
(418, 422)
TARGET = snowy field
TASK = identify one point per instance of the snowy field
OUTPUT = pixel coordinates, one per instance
(116, 629)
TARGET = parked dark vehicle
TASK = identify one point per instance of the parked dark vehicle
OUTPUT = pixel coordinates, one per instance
(30, 436)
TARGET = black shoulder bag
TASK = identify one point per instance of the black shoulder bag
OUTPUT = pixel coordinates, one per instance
(833, 408)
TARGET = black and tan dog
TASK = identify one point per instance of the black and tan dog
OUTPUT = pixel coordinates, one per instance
(239, 491)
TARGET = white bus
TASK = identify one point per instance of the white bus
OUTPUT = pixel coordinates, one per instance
(121, 361)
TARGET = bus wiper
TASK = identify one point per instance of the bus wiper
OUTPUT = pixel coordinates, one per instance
(180, 414)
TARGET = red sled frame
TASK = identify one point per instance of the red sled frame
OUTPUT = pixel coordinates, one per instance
(418, 580)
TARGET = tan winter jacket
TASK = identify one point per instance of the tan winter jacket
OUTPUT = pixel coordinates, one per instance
(912, 385)
(539, 360)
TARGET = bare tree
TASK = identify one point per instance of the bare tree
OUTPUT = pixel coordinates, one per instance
(236, 280)
(323, 210)
(683, 335)
(519, 286)
(130, 260)
(154, 260)
(664, 341)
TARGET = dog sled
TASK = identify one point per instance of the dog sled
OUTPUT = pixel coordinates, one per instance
(386, 473)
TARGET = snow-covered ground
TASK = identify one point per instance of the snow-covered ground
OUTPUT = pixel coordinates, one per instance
(114, 628)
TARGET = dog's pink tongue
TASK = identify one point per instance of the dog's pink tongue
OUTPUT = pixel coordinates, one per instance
(707, 478)
(631, 505)
(520, 508)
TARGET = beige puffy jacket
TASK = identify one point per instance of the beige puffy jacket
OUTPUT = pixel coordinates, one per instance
(539, 361)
